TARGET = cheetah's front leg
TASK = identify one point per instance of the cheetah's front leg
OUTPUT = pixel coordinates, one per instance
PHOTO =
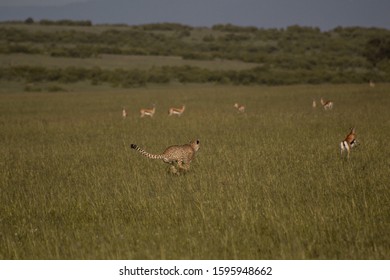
(185, 166)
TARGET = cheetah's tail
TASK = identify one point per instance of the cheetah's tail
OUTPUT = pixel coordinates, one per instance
(144, 153)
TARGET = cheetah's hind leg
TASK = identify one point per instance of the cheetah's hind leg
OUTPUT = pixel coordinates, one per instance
(173, 169)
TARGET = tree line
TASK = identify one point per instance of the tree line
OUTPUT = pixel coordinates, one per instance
(294, 54)
(182, 74)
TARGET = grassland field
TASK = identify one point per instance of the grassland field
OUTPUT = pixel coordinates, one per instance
(267, 184)
(126, 62)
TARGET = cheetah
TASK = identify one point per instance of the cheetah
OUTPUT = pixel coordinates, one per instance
(182, 155)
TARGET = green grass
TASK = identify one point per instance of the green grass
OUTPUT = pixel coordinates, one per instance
(126, 62)
(268, 184)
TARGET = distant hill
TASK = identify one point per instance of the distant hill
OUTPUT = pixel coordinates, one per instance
(265, 13)
(196, 13)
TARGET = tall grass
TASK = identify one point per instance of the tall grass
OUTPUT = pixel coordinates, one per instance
(267, 184)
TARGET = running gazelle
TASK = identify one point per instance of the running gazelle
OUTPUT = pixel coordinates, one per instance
(240, 108)
(148, 112)
(124, 113)
(176, 111)
(328, 105)
(349, 142)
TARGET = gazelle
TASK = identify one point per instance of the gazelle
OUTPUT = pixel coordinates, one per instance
(148, 112)
(124, 113)
(349, 142)
(176, 111)
(328, 105)
(314, 104)
(372, 84)
(240, 108)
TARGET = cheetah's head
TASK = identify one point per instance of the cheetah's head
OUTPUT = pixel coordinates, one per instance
(195, 145)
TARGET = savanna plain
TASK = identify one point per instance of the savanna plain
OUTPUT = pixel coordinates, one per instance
(266, 184)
